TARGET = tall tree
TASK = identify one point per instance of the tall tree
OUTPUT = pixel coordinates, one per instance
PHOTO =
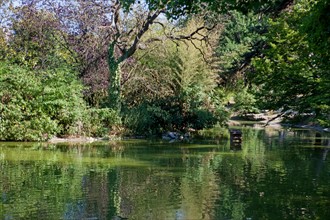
(113, 30)
(35, 40)
(127, 40)
(120, 26)
(294, 71)
(127, 43)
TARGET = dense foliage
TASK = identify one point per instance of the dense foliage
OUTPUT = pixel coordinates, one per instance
(36, 106)
(293, 73)
(84, 68)
(173, 88)
(283, 59)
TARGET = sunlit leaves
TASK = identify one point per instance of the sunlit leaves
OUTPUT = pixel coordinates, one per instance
(36, 106)
(238, 42)
(176, 83)
(294, 70)
(35, 41)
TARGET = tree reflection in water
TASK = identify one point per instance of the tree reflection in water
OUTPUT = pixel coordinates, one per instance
(275, 174)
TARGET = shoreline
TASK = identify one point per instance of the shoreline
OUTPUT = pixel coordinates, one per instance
(232, 122)
(274, 121)
(82, 139)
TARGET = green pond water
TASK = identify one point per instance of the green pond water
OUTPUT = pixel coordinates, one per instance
(274, 174)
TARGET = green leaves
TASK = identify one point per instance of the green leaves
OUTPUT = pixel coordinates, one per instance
(36, 40)
(286, 57)
(294, 70)
(240, 40)
(172, 88)
(20, 120)
(37, 106)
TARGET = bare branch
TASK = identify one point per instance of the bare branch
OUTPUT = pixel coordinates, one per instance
(116, 10)
(145, 27)
(192, 34)
(199, 49)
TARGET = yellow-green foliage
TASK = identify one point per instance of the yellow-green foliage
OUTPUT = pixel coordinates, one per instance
(3, 44)
(36, 40)
(172, 87)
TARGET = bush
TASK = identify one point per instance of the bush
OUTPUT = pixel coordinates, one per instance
(245, 102)
(169, 114)
(146, 119)
(19, 119)
(35, 106)
(99, 122)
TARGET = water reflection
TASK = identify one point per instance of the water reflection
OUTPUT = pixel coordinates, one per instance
(274, 174)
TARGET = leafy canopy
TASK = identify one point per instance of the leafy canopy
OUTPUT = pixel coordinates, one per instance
(177, 8)
(294, 72)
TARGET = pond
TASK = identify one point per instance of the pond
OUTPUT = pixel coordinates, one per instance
(273, 174)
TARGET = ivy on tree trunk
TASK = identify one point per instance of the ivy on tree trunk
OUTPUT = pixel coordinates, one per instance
(114, 100)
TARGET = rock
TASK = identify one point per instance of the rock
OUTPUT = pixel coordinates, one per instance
(233, 123)
(256, 117)
(172, 136)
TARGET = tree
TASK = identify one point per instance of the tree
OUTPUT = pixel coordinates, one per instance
(242, 39)
(127, 34)
(293, 71)
(3, 44)
(109, 30)
(83, 21)
(4, 20)
(127, 42)
(172, 86)
(35, 39)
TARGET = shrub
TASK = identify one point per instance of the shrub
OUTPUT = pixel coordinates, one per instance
(99, 122)
(146, 119)
(61, 98)
(35, 106)
(169, 114)
(245, 102)
(19, 117)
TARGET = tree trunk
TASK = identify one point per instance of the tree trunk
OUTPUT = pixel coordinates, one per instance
(114, 93)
